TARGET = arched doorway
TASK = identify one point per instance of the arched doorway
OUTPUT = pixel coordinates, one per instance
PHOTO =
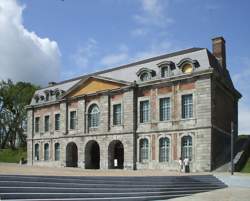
(92, 155)
(115, 155)
(71, 155)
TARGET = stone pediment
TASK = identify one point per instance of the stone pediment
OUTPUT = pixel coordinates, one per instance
(93, 85)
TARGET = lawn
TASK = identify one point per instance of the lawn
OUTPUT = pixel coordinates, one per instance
(246, 168)
(12, 156)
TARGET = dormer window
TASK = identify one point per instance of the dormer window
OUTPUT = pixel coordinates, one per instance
(36, 98)
(145, 77)
(187, 68)
(57, 93)
(145, 74)
(165, 71)
(166, 68)
(188, 65)
(47, 97)
(41, 97)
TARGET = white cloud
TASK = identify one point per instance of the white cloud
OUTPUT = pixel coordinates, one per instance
(115, 59)
(153, 12)
(24, 56)
(85, 53)
(139, 32)
(124, 55)
(118, 58)
(156, 48)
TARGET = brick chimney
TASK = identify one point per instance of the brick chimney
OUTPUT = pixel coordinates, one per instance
(219, 50)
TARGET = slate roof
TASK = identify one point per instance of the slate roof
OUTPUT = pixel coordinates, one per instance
(127, 73)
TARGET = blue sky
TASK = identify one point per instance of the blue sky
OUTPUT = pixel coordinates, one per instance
(73, 37)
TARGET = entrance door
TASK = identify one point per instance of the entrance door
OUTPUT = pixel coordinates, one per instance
(71, 155)
(115, 155)
(92, 155)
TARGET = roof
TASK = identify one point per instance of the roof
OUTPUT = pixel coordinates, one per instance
(127, 73)
(164, 56)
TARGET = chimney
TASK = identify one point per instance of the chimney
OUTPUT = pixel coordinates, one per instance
(219, 50)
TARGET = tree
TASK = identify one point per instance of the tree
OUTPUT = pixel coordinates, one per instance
(13, 99)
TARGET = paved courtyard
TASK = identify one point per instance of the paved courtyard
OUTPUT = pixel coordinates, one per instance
(47, 183)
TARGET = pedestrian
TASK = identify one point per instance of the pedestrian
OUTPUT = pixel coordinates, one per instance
(181, 164)
(186, 164)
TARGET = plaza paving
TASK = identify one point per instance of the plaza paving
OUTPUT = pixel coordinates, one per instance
(136, 185)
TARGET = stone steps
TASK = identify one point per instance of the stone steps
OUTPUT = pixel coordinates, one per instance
(104, 188)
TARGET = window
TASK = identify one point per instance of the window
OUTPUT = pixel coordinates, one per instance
(145, 77)
(57, 94)
(165, 109)
(72, 124)
(164, 149)
(117, 113)
(186, 147)
(37, 124)
(57, 151)
(187, 68)
(143, 150)
(46, 123)
(187, 106)
(94, 114)
(37, 152)
(165, 71)
(47, 97)
(37, 99)
(144, 111)
(57, 122)
(46, 152)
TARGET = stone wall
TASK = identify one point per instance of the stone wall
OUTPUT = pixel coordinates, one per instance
(206, 113)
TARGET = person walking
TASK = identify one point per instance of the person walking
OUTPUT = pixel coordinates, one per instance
(181, 164)
(186, 164)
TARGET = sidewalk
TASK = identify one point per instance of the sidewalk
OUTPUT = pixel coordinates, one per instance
(238, 189)
(226, 194)
(16, 169)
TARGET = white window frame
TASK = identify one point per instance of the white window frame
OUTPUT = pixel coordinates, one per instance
(186, 106)
(140, 112)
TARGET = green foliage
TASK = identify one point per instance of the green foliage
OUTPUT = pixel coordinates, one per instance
(12, 156)
(246, 168)
(13, 99)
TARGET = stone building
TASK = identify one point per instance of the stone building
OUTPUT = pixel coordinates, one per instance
(143, 115)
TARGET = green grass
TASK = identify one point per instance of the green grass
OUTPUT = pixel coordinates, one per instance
(246, 168)
(12, 156)
(243, 136)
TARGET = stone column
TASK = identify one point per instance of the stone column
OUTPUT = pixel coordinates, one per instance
(30, 131)
(104, 119)
(64, 117)
(81, 116)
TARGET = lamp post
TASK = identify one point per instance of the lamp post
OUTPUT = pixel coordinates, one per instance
(232, 148)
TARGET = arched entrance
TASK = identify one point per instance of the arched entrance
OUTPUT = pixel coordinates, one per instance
(92, 155)
(71, 155)
(115, 155)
